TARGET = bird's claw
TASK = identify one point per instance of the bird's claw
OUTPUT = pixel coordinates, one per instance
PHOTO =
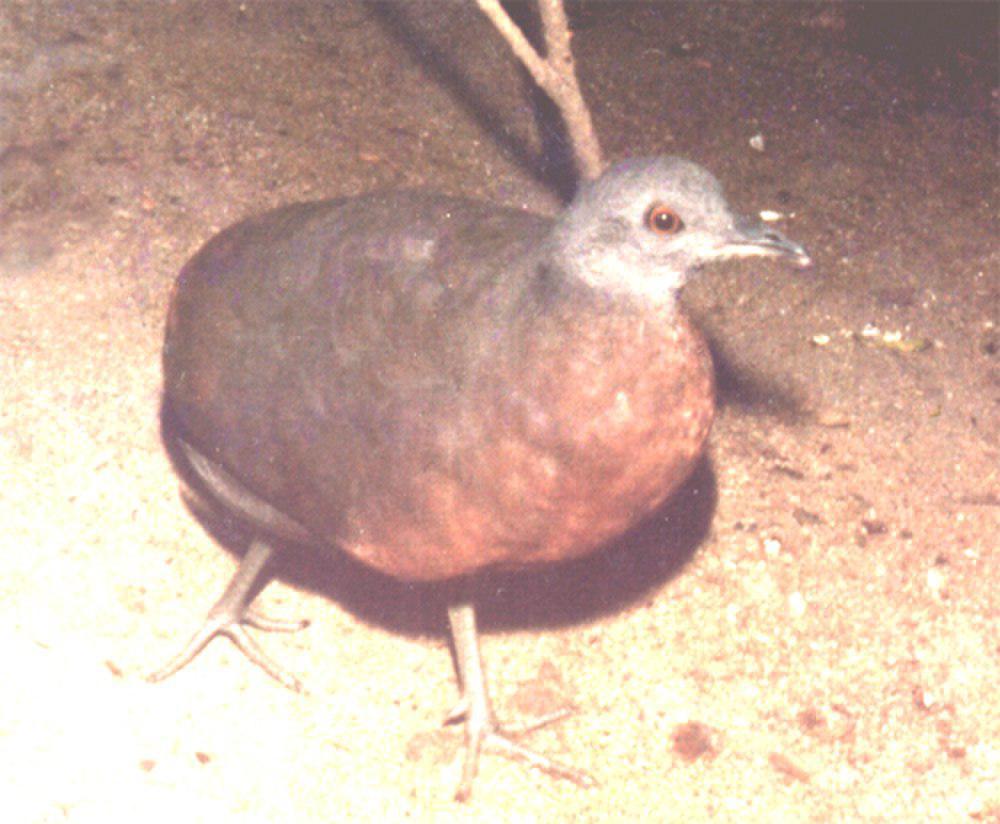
(486, 735)
(234, 628)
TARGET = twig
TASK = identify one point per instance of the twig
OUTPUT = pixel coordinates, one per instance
(555, 74)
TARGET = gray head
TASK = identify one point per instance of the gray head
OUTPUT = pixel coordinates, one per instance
(644, 225)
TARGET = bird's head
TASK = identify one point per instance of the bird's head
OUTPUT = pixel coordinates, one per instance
(643, 226)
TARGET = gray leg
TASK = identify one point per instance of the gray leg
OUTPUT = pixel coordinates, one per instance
(481, 728)
(230, 615)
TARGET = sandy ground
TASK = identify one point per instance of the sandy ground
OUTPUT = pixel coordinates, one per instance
(809, 631)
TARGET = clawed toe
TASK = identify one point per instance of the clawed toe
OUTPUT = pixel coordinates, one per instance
(234, 629)
(492, 739)
(262, 622)
(532, 724)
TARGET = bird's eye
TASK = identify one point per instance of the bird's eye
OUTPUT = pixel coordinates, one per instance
(663, 220)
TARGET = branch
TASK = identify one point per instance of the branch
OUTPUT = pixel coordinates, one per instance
(555, 75)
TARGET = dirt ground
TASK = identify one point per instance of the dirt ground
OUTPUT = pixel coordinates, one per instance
(808, 632)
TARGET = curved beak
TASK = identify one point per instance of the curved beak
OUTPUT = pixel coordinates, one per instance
(753, 238)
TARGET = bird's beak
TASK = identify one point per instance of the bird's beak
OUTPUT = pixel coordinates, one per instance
(752, 238)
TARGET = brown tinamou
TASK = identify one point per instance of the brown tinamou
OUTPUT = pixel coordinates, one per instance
(438, 386)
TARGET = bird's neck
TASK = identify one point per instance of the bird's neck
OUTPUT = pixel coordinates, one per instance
(559, 299)
(567, 331)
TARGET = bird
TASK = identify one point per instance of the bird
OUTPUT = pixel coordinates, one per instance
(439, 386)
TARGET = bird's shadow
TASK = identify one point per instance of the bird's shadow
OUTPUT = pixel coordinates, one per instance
(617, 575)
(755, 393)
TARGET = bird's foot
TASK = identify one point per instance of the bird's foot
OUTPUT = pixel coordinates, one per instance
(483, 733)
(222, 620)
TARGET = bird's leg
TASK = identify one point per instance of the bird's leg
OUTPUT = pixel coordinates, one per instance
(481, 728)
(230, 615)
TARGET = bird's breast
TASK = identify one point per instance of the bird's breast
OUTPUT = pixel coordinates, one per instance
(570, 441)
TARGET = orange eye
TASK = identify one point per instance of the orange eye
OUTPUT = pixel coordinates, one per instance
(663, 220)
